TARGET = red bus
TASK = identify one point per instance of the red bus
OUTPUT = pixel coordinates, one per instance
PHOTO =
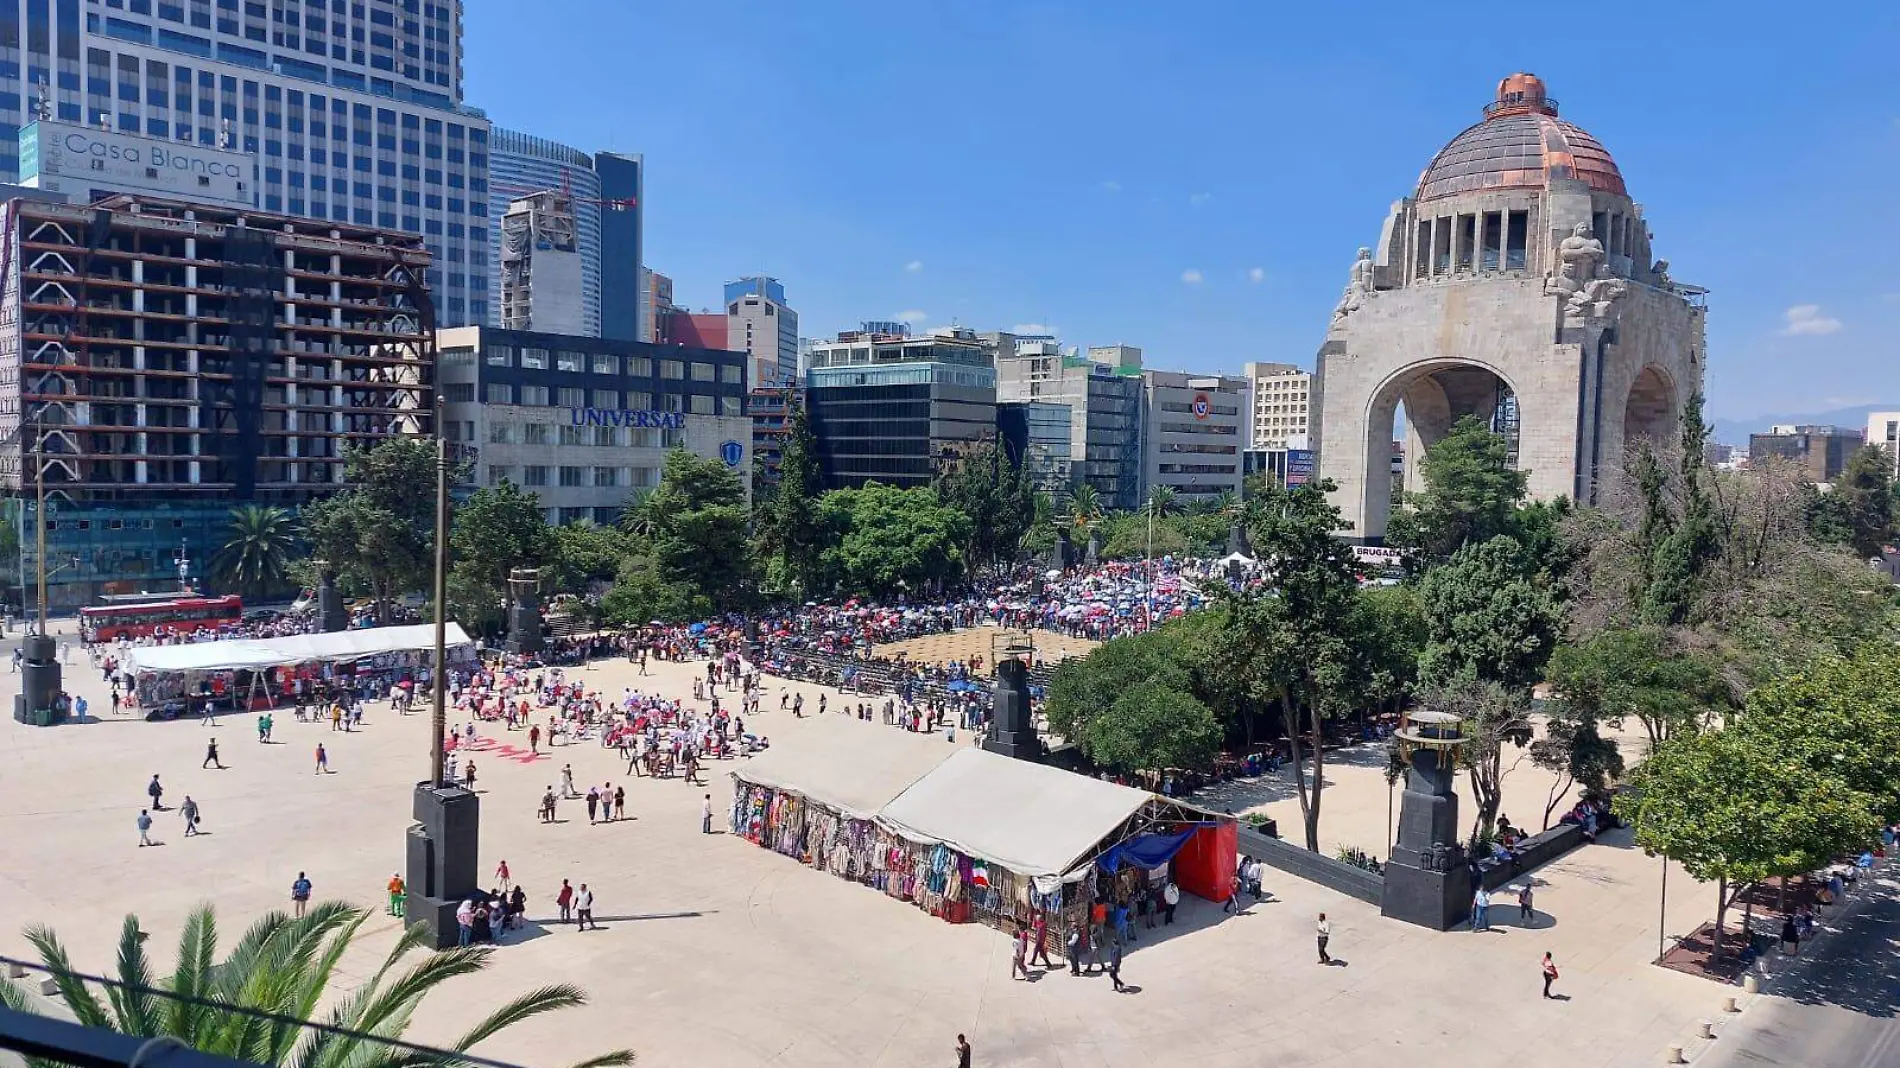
(105, 623)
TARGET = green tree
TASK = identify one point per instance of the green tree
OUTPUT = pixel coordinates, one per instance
(1301, 647)
(1636, 672)
(693, 531)
(1734, 811)
(1085, 687)
(1000, 502)
(586, 556)
(1152, 727)
(1838, 716)
(1471, 493)
(796, 535)
(257, 550)
(282, 967)
(1486, 620)
(1865, 489)
(1575, 752)
(379, 533)
(881, 539)
(497, 529)
(1085, 508)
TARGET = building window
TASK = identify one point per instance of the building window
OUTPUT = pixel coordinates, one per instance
(639, 400)
(498, 473)
(644, 477)
(606, 435)
(700, 404)
(728, 406)
(534, 433)
(639, 367)
(570, 476)
(569, 361)
(534, 475)
(606, 398)
(606, 476)
(572, 397)
(499, 356)
(730, 374)
(606, 365)
(534, 359)
(534, 394)
(672, 369)
(500, 434)
(672, 439)
(571, 435)
(702, 372)
(499, 393)
(459, 392)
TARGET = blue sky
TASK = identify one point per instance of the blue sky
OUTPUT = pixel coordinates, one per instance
(1193, 177)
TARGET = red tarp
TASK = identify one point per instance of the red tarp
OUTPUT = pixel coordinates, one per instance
(1205, 865)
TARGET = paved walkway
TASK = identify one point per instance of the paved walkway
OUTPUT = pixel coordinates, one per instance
(715, 952)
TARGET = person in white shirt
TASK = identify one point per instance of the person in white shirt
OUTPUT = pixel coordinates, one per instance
(1324, 930)
(464, 922)
(705, 815)
(1170, 897)
(584, 907)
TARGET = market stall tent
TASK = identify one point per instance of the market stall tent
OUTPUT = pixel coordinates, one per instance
(1029, 818)
(255, 654)
(840, 764)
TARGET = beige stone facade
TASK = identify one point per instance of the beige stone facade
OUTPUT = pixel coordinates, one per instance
(1515, 285)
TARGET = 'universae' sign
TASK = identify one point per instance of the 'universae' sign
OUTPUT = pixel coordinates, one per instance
(76, 160)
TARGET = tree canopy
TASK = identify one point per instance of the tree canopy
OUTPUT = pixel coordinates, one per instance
(1471, 493)
(880, 539)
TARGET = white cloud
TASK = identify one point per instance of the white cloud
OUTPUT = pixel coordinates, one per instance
(1032, 328)
(1112, 186)
(913, 316)
(1807, 320)
(1191, 277)
(914, 266)
(1198, 199)
(1256, 274)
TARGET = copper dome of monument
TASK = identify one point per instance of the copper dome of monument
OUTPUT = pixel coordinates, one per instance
(1521, 144)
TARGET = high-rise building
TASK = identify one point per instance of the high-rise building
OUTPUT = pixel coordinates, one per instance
(657, 305)
(522, 165)
(759, 322)
(353, 116)
(1116, 357)
(1038, 437)
(770, 409)
(542, 278)
(1280, 405)
(1104, 414)
(213, 357)
(1191, 433)
(896, 409)
(1820, 452)
(622, 245)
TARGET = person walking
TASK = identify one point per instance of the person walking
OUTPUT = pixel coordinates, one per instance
(1324, 932)
(1233, 901)
(547, 806)
(1524, 910)
(1550, 974)
(1076, 945)
(1019, 950)
(157, 794)
(501, 876)
(565, 900)
(620, 802)
(1170, 898)
(1115, 965)
(323, 760)
(593, 802)
(567, 781)
(534, 739)
(397, 888)
(211, 756)
(189, 810)
(145, 829)
(464, 923)
(705, 815)
(300, 894)
(1481, 909)
(1040, 950)
(584, 905)
(963, 1052)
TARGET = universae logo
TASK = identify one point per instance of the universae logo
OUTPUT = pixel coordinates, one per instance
(732, 453)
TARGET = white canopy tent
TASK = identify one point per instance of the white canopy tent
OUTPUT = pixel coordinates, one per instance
(842, 764)
(1029, 818)
(255, 654)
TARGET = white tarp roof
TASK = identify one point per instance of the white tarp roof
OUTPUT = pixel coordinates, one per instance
(846, 764)
(256, 653)
(1029, 818)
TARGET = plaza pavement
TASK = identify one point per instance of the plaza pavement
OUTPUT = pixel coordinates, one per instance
(961, 645)
(716, 952)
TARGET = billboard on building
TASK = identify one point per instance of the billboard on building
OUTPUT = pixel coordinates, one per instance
(1300, 464)
(79, 160)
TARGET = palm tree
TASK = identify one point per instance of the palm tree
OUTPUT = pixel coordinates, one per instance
(635, 517)
(1085, 507)
(280, 969)
(256, 553)
(1161, 502)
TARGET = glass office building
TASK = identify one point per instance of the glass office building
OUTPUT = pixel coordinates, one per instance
(352, 108)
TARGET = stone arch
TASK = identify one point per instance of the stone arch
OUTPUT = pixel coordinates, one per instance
(1435, 393)
(1651, 411)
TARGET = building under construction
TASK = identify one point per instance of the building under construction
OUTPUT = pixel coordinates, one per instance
(162, 363)
(541, 266)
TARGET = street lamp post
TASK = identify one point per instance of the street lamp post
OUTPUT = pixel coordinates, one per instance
(438, 687)
(38, 701)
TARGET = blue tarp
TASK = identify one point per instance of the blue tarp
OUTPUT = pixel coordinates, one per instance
(1145, 850)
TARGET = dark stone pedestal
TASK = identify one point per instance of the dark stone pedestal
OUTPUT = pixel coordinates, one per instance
(524, 612)
(1012, 730)
(332, 615)
(38, 699)
(1062, 556)
(442, 856)
(1426, 880)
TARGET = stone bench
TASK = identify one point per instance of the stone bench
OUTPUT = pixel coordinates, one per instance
(1537, 850)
